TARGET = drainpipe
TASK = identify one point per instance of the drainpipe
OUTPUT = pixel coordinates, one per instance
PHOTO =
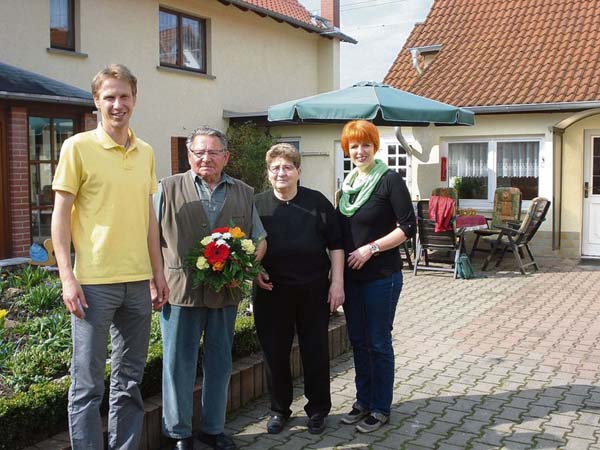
(409, 148)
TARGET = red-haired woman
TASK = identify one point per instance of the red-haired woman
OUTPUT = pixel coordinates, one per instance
(377, 216)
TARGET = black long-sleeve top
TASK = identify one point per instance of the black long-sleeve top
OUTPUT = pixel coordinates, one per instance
(388, 207)
(299, 232)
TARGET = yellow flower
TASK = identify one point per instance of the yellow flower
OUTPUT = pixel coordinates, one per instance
(248, 246)
(201, 263)
(218, 266)
(3, 313)
(206, 240)
(237, 233)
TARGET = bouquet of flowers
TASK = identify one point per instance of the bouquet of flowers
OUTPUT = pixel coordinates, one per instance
(223, 259)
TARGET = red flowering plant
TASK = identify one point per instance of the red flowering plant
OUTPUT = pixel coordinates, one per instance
(223, 259)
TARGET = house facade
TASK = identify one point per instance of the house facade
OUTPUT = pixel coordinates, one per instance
(528, 69)
(197, 62)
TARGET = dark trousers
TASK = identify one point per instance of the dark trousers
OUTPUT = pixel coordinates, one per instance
(277, 314)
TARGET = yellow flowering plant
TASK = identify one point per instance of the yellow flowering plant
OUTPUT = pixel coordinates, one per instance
(223, 259)
(3, 313)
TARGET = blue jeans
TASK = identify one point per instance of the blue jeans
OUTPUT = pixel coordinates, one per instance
(123, 310)
(182, 328)
(370, 307)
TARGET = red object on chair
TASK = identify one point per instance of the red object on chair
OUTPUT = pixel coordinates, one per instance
(441, 210)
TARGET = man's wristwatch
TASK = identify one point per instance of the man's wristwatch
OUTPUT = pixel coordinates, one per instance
(373, 248)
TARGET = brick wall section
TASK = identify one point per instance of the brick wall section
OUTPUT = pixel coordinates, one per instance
(20, 216)
(89, 121)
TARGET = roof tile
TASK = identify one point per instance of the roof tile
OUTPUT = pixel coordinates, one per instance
(498, 52)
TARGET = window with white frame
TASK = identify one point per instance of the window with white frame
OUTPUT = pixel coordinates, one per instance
(477, 168)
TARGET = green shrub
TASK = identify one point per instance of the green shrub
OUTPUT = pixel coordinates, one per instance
(248, 146)
(25, 418)
(35, 365)
(29, 277)
(41, 298)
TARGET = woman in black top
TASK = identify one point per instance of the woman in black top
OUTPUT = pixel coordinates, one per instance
(376, 216)
(296, 292)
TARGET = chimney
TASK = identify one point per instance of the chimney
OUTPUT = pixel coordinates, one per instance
(330, 10)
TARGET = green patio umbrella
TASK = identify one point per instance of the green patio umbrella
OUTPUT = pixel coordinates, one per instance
(377, 102)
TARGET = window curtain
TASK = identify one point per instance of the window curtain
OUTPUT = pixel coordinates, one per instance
(518, 159)
(468, 159)
(60, 14)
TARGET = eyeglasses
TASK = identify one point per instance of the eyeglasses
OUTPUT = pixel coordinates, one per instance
(211, 153)
(276, 169)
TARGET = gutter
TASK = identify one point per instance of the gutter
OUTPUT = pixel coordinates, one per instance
(227, 114)
(329, 33)
(47, 98)
(533, 107)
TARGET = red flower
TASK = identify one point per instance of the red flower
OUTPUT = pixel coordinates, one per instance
(221, 230)
(216, 253)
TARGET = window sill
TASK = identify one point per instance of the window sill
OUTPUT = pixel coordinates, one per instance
(186, 72)
(60, 51)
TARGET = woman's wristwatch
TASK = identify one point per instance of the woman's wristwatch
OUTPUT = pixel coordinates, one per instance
(373, 248)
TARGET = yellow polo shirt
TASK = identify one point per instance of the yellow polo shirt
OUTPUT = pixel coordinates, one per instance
(109, 220)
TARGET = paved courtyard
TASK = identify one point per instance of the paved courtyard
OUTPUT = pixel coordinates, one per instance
(507, 361)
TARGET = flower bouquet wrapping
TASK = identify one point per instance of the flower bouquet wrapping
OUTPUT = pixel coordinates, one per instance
(223, 259)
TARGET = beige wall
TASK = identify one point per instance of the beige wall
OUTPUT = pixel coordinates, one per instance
(255, 61)
(317, 147)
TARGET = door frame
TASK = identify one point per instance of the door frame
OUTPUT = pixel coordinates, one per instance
(588, 145)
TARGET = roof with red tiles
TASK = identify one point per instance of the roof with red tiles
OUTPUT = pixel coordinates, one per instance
(505, 52)
(288, 8)
(293, 13)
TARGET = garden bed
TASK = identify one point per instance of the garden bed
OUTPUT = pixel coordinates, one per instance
(35, 353)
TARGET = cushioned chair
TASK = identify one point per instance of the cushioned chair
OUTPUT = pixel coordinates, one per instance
(516, 237)
(507, 208)
(432, 246)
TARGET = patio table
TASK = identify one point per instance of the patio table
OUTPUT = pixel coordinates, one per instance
(471, 222)
(466, 223)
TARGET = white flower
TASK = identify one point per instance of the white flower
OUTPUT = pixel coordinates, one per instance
(216, 236)
(207, 240)
(226, 235)
(201, 263)
(222, 242)
(248, 246)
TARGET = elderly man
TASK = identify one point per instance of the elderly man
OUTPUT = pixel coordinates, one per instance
(103, 183)
(189, 207)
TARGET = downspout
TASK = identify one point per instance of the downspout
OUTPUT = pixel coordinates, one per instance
(409, 149)
(557, 186)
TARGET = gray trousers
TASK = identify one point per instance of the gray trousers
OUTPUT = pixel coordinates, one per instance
(124, 310)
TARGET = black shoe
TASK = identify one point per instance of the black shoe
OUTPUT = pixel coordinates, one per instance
(217, 441)
(184, 444)
(316, 423)
(275, 423)
(357, 414)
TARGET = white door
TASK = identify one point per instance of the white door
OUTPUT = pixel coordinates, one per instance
(590, 242)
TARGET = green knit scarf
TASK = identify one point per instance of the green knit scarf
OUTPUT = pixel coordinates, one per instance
(364, 188)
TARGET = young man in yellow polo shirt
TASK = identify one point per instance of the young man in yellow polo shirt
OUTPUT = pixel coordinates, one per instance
(103, 186)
